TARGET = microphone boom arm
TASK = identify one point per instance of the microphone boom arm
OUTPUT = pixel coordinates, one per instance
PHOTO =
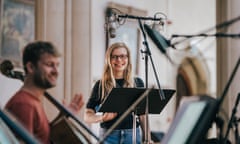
(208, 35)
(219, 26)
(139, 17)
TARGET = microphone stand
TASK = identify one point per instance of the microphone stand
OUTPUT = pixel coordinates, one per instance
(162, 96)
(237, 140)
(220, 100)
(234, 120)
(147, 54)
(209, 35)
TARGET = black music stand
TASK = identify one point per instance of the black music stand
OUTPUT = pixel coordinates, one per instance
(121, 99)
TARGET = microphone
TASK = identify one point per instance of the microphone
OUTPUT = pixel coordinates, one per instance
(161, 42)
(111, 22)
(158, 26)
(112, 32)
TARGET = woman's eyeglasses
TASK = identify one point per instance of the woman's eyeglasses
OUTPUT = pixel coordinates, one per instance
(122, 57)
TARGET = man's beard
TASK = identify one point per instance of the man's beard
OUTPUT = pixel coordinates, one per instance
(41, 81)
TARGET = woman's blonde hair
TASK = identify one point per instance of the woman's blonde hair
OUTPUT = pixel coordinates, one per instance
(108, 80)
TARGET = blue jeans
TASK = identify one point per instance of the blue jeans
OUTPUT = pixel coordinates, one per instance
(124, 136)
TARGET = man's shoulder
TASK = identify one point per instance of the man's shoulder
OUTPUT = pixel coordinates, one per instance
(23, 98)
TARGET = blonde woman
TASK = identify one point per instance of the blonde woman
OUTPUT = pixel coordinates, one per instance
(117, 74)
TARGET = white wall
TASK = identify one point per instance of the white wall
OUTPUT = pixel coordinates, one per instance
(194, 17)
(8, 87)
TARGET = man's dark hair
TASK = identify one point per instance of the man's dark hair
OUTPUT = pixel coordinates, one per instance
(33, 51)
